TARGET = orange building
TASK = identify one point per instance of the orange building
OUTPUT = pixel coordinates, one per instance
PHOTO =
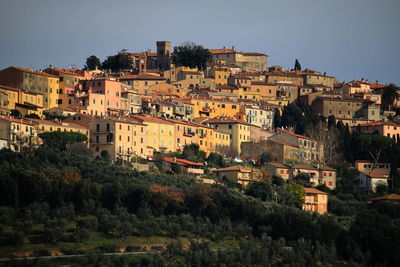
(315, 201)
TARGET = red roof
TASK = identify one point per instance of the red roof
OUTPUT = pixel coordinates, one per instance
(182, 162)
(141, 77)
(151, 119)
(234, 168)
(310, 190)
(297, 135)
(34, 72)
(222, 51)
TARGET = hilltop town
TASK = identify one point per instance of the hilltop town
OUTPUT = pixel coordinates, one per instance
(220, 116)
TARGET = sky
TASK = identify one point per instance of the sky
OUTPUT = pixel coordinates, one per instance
(345, 38)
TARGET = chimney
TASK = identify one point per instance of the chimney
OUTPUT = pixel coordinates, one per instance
(233, 47)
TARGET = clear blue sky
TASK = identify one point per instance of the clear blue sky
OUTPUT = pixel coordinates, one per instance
(346, 38)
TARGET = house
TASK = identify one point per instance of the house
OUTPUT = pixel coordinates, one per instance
(17, 133)
(101, 96)
(318, 174)
(68, 84)
(385, 128)
(279, 169)
(160, 133)
(239, 131)
(315, 201)
(189, 167)
(242, 174)
(263, 118)
(346, 108)
(34, 81)
(247, 61)
(327, 176)
(308, 150)
(212, 108)
(392, 198)
(370, 177)
(122, 138)
(142, 83)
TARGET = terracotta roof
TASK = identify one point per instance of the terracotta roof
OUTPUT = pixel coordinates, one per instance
(243, 77)
(278, 165)
(380, 123)
(182, 161)
(226, 120)
(16, 120)
(310, 190)
(234, 168)
(34, 72)
(141, 77)
(297, 135)
(151, 119)
(63, 71)
(282, 143)
(222, 51)
(386, 197)
(11, 88)
(377, 173)
(226, 86)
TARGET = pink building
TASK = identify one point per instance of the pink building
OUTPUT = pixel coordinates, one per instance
(102, 96)
(385, 128)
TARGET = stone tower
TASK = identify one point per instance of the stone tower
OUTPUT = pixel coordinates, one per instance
(163, 55)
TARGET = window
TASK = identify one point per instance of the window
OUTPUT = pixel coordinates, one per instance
(97, 128)
(230, 126)
(282, 171)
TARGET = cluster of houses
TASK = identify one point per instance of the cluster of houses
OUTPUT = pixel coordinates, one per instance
(228, 107)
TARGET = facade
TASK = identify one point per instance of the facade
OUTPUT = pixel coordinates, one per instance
(385, 128)
(257, 116)
(239, 131)
(243, 175)
(315, 201)
(189, 167)
(142, 83)
(160, 134)
(17, 133)
(346, 108)
(122, 138)
(212, 108)
(33, 81)
(371, 177)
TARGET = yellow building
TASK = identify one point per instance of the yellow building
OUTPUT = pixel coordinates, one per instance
(33, 81)
(17, 133)
(221, 76)
(315, 201)
(239, 132)
(212, 108)
(241, 174)
(122, 138)
(53, 126)
(26, 102)
(160, 133)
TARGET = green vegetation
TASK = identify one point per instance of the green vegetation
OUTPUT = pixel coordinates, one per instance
(191, 55)
(57, 199)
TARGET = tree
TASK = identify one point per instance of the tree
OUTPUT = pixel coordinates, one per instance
(216, 160)
(192, 152)
(118, 62)
(390, 95)
(375, 144)
(191, 55)
(329, 138)
(297, 191)
(92, 63)
(297, 65)
(61, 140)
(259, 190)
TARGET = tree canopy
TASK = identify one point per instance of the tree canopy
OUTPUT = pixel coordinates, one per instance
(92, 63)
(61, 140)
(118, 62)
(191, 55)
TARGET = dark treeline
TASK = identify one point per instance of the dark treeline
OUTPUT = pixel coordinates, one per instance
(72, 195)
